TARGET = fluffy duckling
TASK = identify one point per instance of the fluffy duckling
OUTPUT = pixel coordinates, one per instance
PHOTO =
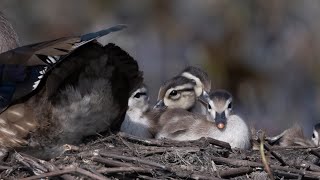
(294, 136)
(199, 76)
(203, 85)
(315, 135)
(136, 121)
(181, 125)
(179, 92)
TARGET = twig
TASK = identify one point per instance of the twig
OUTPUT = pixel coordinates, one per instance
(312, 151)
(4, 168)
(135, 159)
(236, 162)
(203, 177)
(233, 172)
(67, 171)
(147, 177)
(308, 165)
(144, 141)
(274, 154)
(32, 162)
(263, 157)
(159, 150)
(286, 175)
(293, 147)
(239, 163)
(124, 170)
(167, 142)
(110, 162)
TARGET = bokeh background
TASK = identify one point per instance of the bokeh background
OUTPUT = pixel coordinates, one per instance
(264, 52)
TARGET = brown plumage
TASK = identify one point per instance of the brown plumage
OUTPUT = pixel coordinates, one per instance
(8, 37)
(85, 94)
(293, 136)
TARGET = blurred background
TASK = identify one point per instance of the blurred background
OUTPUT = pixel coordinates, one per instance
(264, 52)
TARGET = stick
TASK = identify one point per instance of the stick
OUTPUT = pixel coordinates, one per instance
(67, 171)
(144, 141)
(110, 162)
(4, 168)
(274, 154)
(160, 150)
(233, 172)
(124, 170)
(135, 159)
(312, 151)
(167, 142)
(286, 175)
(237, 162)
(263, 157)
(293, 147)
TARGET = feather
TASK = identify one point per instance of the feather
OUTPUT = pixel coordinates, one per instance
(25, 67)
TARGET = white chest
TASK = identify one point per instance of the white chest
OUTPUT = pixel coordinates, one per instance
(136, 123)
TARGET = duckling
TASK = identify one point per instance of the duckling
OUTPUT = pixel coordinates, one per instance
(315, 135)
(178, 92)
(199, 76)
(86, 93)
(136, 121)
(203, 85)
(181, 125)
(142, 121)
(23, 69)
(294, 136)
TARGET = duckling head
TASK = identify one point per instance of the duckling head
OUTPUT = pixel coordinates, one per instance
(203, 83)
(139, 99)
(178, 92)
(219, 107)
(315, 136)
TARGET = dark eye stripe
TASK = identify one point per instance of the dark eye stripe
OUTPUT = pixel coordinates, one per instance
(187, 89)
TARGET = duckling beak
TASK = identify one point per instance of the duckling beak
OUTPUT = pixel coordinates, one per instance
(204, 98)
(159, 105)
(221, 120)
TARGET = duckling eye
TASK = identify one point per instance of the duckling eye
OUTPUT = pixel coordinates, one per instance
(230, 106)
(138, 95)
(209, 107)
(173, 93)
(313, 136)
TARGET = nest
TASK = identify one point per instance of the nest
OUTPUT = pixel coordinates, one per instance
(123, 156)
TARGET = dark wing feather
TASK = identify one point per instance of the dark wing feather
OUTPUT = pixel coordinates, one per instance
(34, 61)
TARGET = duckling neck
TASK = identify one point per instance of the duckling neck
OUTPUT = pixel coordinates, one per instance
(137, 123)
(198, 108)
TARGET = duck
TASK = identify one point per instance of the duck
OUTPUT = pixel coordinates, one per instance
(137, 121)
(219, 123)
(8, 37)
(71, 88)
(22, 69)
(294, 136)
